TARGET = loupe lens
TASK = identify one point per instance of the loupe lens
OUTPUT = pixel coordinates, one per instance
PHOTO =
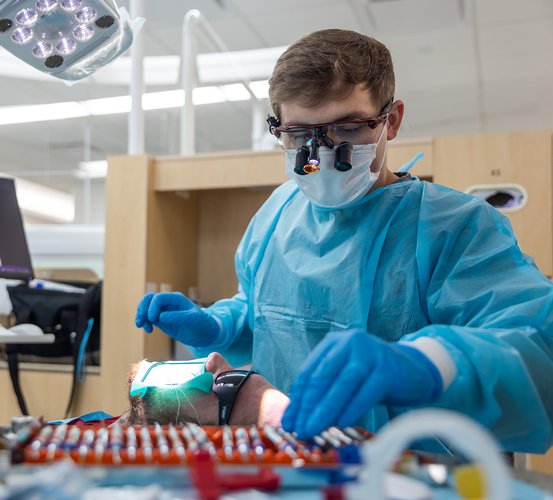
(344, 154)
(302, 156)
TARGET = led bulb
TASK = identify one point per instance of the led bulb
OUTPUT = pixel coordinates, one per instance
(85, 15)
(43, 49)
(46, 5)
(26, 17)
(83, 32)
(70, 5)
(66, 46)
(22, 35)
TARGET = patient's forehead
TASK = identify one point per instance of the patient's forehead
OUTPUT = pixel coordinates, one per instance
(175, 396)
(167, 406)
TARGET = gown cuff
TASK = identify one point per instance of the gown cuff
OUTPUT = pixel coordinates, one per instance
(438, 354)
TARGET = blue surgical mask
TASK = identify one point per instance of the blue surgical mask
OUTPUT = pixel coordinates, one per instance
(330, 188)
(171, 374)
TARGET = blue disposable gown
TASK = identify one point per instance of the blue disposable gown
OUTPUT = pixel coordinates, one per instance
(409, 260)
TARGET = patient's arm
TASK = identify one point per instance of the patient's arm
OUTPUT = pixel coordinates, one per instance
(258, 403)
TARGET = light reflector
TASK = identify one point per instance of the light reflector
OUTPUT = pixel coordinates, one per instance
(66, 46)
(27, 17)
(85, 15)
(85, 34)
(70, 5)
(46, 5)
(22, 35)
(43, 49)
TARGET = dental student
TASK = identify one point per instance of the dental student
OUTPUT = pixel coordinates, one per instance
(364, 293)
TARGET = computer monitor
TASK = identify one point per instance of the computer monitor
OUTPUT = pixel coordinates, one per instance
(15, 260)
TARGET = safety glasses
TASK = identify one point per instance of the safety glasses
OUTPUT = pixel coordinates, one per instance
(356, 131)
(184, 375)
(227, 385)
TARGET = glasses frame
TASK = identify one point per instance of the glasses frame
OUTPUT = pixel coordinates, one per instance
(276, 129)
(227, 392)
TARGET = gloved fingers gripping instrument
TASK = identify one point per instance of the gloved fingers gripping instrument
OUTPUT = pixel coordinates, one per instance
(178, 317)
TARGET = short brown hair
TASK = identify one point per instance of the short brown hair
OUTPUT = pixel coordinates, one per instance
(328, 64)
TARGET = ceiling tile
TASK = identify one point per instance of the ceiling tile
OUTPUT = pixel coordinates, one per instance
(500, 11)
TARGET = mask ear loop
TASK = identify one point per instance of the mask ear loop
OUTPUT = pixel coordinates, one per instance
(344, 154)
(377, 173)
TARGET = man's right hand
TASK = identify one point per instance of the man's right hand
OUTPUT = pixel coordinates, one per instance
(178, 317)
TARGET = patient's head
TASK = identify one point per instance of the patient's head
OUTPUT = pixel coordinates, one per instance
(257, 401)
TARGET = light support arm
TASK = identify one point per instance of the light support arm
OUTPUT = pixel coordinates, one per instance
(136, 116)
(194, 20)
(188, 81)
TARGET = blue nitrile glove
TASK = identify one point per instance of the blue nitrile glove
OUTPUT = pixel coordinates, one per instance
(349, 373)
(178, 317)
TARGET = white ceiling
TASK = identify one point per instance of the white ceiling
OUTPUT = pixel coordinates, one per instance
(462, 66)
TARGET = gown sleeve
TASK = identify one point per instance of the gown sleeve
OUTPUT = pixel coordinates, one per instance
(492, 309)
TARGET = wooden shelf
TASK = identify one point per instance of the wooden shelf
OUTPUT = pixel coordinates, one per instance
(219, 171)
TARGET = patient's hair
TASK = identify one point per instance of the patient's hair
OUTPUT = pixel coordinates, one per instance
(162, 405)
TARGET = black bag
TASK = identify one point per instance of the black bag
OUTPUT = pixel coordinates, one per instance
(74, 319)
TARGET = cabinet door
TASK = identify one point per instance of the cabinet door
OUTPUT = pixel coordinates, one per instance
(519, 158)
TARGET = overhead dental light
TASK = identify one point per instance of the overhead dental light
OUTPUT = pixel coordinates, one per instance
(68, 39)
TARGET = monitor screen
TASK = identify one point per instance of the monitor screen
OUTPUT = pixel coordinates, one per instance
(15, 261)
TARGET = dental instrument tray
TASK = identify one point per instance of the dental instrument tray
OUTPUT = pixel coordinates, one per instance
(177, 444)
(210, 459)
(230, 457)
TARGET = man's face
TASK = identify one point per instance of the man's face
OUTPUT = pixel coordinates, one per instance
(356, 105)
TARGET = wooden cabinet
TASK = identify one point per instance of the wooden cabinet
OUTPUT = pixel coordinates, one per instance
(495, 160)
(401, 152)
